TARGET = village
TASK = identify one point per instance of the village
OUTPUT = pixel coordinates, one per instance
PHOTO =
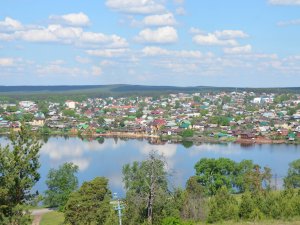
(242, 117)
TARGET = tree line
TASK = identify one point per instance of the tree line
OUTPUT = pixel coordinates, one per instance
(220, 190)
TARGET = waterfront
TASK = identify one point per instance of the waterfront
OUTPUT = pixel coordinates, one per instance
(98, 158)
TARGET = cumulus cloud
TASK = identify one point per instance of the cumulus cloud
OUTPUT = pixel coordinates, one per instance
(221, 38)
(212, 39)
(72, 19)
(157, 51)
(284, 2)
(167, 19)
(107, 52)
(230, 34)
(136, 6)
(9, 24)
(6, 62)
(62, 34)
(162, 35)
(239, 50)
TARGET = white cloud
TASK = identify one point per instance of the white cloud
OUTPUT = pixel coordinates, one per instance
(160, 20)
(212, 39)
(42, 35)
(63, 34)
(96, 71)
(289, 22)
(6, 62)
(284, 2)
(180, 11)
(10, 24)
(222, 38)
(157, 51)
(72, 19)
(194, 30)
(82, 60)
(136, 6)
(179, 1)
(107, 63)
(239, 50)
(161, 35)
(230, 34)
(107, 52)
(58, 69)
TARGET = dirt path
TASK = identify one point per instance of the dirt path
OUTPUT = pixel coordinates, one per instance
(38, 213)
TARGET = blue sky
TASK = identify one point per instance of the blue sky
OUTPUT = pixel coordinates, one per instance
(152, 42)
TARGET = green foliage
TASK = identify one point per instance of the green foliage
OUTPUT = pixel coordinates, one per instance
(90, 204)
(220, 120)
(12, 108)
(292, 180)
(19, 164)
(61, 183)
(247, 207)
(187, 133)
(69, 113)
(147, 191)
(194, 204)
(237, 177)
(215, 173)
(223, 206)
(174, 221)
(28, 117)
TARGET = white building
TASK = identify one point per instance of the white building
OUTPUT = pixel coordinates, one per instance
(70, 104)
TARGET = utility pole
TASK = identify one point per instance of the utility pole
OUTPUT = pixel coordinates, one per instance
(118, 208)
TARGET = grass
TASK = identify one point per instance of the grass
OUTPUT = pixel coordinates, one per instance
(52, 218)
(263, 222)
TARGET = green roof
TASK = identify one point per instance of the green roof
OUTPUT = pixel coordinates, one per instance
(84, 126)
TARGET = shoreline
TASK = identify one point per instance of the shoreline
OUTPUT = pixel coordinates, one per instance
(174, 139)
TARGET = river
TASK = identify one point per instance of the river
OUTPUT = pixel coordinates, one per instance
(98, 158)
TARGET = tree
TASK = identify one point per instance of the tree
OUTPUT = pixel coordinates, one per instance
(90, 204)
(292, 180)
(69, 113)
(147, 190)
(223, 206)
(187, 133)
(215, 173)
(61, 183)
(193, 206)
(19, 164)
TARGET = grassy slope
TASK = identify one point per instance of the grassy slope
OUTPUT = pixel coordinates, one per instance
(52, 218)
(57, 218)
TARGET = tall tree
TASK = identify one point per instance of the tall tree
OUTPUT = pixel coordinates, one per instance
(19, 164)
(147, 189)
(61, 183)
(90, 204)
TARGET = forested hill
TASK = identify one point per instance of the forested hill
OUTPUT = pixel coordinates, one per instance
(20, 92)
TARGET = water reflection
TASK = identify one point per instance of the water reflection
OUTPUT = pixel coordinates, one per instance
(106, 157)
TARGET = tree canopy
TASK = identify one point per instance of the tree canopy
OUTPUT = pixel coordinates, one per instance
(61, 183)
(19, 164)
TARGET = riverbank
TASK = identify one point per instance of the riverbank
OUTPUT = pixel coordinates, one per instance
(173, 138)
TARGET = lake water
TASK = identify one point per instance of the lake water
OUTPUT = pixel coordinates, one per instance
(107, 158)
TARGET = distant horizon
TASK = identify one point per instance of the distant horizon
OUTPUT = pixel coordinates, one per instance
(176, 86)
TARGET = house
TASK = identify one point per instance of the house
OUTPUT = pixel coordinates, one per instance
(185, 124)
(247, 135)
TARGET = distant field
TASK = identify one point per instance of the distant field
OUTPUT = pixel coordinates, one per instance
(22, 92)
